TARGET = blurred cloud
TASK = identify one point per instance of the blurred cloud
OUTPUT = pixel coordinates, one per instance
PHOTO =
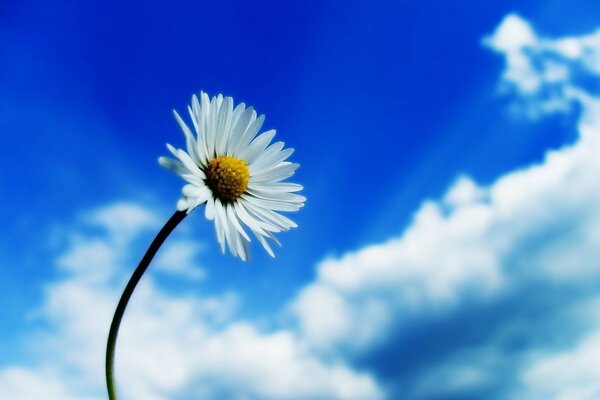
(178, 258)
(25, 384)
(123, 220)
(480, 248)
(170, 346)
(490, 290)
(570, 374)
(543, 70)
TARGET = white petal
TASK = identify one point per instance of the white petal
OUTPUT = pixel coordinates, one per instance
(172, 165)
(257, 146)
(195, 115)
(197, 110)
(220, 224)
(224, 124)
(276, 186)
(209, 211)
(172, 149)
(266, 161)
(280, 172)
(191, 190)
(246, 245)
(235, 134)
(279, 223)
(221, 219)
(189, 163)
(186, 161)
(261, 218)
(190, 142)
(255, 224)
(269, 153)
(231, 214)
(274, 239)
(271, 204)
(206, 132)
(264, 243)
(195, 202)
(277, 196)
(236, 240)
(212, 126)
(194, 178)
(238, 111)
(182, 204)
(278, 220)
(249, 134)
(245, 250)
(238, 130)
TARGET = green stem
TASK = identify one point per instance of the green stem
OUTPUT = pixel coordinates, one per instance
(133, 281)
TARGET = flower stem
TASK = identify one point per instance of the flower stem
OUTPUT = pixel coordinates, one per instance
(133, 281)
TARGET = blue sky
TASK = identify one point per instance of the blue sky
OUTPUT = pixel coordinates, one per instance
(450, 232)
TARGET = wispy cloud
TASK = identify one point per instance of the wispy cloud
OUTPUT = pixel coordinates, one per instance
(178, 258)
(542, 70)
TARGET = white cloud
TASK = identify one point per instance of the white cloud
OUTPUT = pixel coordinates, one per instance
(446, 257)
(94, 255)
(572, 374)
(123, 220)
(538, 225)
(275, 366)
(513, 39)
(22, 384)
(453, 378)
(178, 258)
(169, 346)
(541, 69)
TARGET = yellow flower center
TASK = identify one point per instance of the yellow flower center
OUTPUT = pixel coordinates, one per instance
(227, 177)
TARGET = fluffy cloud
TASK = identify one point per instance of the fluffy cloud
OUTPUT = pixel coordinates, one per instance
(123, 220)
(170, 347)
(539, 223)
(570, 374)
(482, 250)
(542, 70)
(178, 258)
(444, 258)
(23, 384)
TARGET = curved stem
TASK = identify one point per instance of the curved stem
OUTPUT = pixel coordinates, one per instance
(133, 281)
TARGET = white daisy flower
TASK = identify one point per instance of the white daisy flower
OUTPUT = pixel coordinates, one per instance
(238, 174)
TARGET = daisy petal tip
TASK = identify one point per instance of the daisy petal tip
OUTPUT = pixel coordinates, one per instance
(181, 205)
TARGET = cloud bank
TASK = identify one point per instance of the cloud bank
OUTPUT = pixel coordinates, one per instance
(170, 347)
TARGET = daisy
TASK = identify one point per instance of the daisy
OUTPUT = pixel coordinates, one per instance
(237, 174)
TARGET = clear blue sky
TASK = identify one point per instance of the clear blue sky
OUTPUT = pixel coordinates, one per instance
(387, 104)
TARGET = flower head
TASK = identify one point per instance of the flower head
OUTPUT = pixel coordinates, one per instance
(238, 174)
